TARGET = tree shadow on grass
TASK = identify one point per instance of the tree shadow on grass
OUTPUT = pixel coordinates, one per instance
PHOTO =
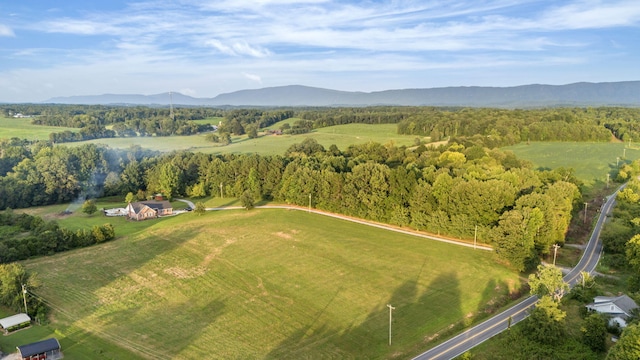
(78, 281)
(169, 328)
(414, 319)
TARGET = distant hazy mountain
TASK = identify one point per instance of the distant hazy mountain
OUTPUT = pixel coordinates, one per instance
(129, 99)
(579, 94)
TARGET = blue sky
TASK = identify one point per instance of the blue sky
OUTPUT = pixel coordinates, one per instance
(204, 48)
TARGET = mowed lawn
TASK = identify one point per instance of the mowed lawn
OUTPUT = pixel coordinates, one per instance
(23, 129)
(268, 284)
(591, 161)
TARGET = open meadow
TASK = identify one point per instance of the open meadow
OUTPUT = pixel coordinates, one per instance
(591, 161)
(23, 129)
(340, 135)
(266, 283)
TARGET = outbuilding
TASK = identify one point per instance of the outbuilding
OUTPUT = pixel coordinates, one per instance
(15, 322)
(46, 349)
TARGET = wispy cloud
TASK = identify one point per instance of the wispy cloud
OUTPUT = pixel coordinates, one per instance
(207, 46)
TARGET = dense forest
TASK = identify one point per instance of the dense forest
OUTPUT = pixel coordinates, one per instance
(449, 190)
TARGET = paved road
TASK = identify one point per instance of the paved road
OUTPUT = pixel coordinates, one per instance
(500, 322)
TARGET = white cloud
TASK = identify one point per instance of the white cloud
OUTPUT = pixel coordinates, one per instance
(211, 46)
(6, 31)
(238, 48)
(252, 77)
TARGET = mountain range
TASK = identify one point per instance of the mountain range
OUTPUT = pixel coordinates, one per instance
(625, 93)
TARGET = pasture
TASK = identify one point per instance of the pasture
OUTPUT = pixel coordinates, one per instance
(267, 283)
(340, 135)
(591, 161)
(23, 129)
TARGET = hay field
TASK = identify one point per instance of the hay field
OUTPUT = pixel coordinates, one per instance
(268, 284)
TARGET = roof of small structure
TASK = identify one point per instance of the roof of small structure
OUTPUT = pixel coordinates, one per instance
(14, 320)
(39, 347)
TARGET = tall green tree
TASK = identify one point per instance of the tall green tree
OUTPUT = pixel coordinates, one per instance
(628, 346)
(594, 332)
(548, 281)
(546, 323)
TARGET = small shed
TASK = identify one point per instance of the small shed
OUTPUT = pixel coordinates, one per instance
(15, 322)
(46, 349)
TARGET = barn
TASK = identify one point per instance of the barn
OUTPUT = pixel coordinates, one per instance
(46, 349)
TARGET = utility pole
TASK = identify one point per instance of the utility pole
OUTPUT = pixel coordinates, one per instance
(624, 153)
(555, 252)
(309, 203)
(221, 191)
(617, 161)
(607, 180)
(24, 297)
(475, 237)
(391, 308)
(585, 212)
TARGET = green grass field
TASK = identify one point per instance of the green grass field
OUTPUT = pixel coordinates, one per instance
(266, 284)
(341, 135)
(23, 129)
(591, 161)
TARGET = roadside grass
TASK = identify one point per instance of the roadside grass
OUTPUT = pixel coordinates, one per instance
(23, 129)
(268, 284)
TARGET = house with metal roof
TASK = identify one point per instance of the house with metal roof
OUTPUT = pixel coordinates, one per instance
(15, 322)
(619, 308)
(46, 349)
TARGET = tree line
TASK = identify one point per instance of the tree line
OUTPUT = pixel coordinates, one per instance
(25, 236)
(449, 190)
(485, 126)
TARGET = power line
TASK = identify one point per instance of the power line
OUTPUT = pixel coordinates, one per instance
(149, 352)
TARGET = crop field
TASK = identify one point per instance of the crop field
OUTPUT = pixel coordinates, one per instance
(23, 129)
(591, 161)
(267, 283)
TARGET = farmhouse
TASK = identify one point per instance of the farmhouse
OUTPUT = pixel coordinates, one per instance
(619, 308)
(148, 209)
(15, 322)
(45, 349)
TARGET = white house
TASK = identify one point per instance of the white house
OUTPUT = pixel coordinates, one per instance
(619, 308)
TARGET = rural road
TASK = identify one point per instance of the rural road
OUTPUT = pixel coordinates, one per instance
(500, 322)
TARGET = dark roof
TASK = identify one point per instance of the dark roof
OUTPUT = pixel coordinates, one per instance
(39, 347)
(157, 205)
